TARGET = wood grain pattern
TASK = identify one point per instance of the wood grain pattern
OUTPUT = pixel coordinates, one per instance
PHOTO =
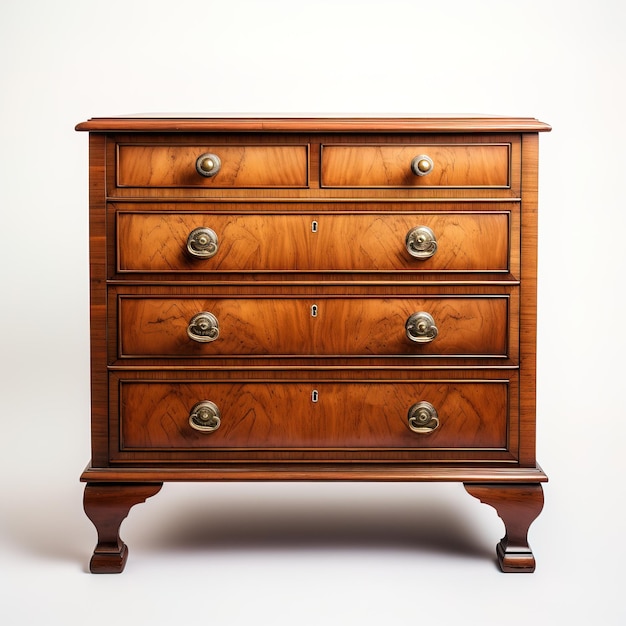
(352, 177)
(345, 124)
(242, 166)
(347, 472)
(107, 506)
(518, 506)
(329, 457)
(285, 326)
(528, 311)
(98, 302)
(313, 189)
(283, 415)
(471, 165)
(466, 241)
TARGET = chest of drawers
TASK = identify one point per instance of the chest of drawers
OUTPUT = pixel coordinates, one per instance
(313, 299)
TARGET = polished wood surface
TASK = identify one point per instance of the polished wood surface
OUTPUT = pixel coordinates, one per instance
(241, 166)
(345, 383)
(518, 506)
(327, 471)
(313, 242)
(188, 122)
(471, 165)
(98, 302)
(528, 311)
(277, 326)
(107, 505)
(188, 185)
(312, 285)
(284, 415)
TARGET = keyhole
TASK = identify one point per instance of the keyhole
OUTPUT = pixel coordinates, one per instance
(315, 395)
(314, 310)
(313, 226)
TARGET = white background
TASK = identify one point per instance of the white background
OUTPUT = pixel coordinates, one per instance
(311, 553)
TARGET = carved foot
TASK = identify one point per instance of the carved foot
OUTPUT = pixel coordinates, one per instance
(107, 505)
(518, 506)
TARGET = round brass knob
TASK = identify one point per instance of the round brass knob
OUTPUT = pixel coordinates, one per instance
(205, 417)
(208, 164)
(203, 327)
(421, 242)
(202, 243)
(422, 164)
(423, 418)
(420, 327)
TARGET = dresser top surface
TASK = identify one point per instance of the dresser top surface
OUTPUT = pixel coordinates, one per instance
(199, 122)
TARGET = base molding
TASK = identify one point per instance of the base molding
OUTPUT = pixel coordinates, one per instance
(374, 472)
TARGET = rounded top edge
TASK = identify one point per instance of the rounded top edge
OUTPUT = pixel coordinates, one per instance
(292, 123)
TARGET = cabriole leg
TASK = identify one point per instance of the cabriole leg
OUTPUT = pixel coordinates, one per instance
(107, 505)
(518, 505)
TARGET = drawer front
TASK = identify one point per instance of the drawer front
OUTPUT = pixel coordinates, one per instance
(306, 415)
(452, 165)
(414, 242)
(323, 326)
(239, 166)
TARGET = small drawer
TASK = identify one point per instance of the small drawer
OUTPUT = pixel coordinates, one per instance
(198, 327)
(419, 166)
(307, 415)
(212, 166)
(437, 241)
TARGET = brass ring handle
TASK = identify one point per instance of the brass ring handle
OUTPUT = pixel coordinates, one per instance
(421, 242)
(205, 417)
(423, 418)
(202, 243)
(203, 327)
(422, 165)
(421, 328)
(208, 164)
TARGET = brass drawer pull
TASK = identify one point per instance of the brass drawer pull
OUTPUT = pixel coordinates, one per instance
(205, 417)
(421, 242)
(208, 164)
(422, 165)
(202, 243)
(203, 327)
(423, 418)
(420, 327)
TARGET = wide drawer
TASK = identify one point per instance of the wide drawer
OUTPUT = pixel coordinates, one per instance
(308, 415)
(432, 241)
(153, 165)
(417, 166)
(198, 327)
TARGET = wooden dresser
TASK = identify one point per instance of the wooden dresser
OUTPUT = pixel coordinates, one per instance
(340, 299)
